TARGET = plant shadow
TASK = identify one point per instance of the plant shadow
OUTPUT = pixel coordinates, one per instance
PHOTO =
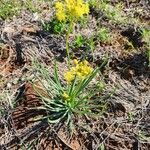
(132, 66)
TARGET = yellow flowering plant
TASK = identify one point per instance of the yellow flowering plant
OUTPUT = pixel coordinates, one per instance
(70, 11)
(69, 97)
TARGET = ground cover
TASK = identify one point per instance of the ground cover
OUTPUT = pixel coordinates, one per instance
(112, 111)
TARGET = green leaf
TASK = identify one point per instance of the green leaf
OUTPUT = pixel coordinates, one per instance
(101, 147)
(72, 86)
(58, 119)
(57, 78)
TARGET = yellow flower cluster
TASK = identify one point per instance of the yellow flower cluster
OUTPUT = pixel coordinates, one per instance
(81, 70)
(71, 8)
(60, 11)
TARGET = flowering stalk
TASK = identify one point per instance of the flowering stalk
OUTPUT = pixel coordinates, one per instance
(70, 10)
(67, 41)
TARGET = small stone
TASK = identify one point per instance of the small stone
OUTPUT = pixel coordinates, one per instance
(9, 85)
(15, 81)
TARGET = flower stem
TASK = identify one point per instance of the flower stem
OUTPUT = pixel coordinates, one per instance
(67, 49)
(67, 41)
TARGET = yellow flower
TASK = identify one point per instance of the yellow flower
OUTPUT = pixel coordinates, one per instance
(60, 11)
(79, 75)
(69, 76)
(81, 70)
(78, 12)
(59, 6)
(87, 70)
(75, 62)
(71, 9)
(61, 16)
(65, 95)
(86, 8)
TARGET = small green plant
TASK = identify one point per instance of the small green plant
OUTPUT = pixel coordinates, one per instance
(142, 135)
(145, 35)
(101, 147)
(103, 35)
(79, 41)
(130, 116)
(55, 26)
(93, 3)
(84, 42)
(146, 38)
(91, 43)
(76, 97)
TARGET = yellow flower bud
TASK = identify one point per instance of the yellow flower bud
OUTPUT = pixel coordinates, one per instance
(65, 95)
(75, 61)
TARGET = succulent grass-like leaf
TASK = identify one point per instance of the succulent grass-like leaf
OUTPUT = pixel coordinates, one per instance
(56, 78)
(72, 87)
(57, 119)
(52, 83)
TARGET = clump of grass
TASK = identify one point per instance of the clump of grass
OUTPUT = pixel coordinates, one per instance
(7, 101)
(32, 6)
(113, 13)
(104, 35)
(9, 8)
(35, 6)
